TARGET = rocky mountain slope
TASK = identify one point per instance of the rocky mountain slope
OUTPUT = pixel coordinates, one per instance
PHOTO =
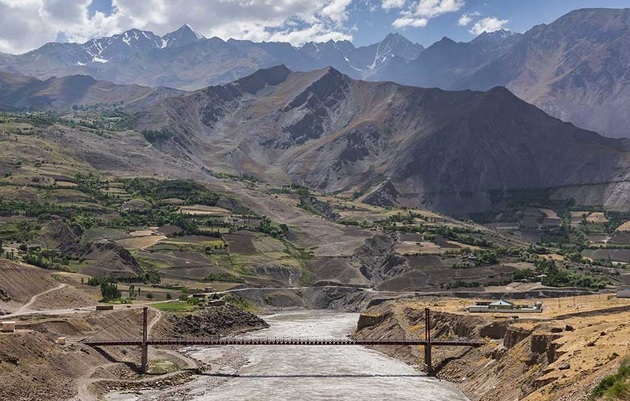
(446, 63)
(575, 69)
(449, 151)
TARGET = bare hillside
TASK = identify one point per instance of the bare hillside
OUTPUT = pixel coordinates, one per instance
(454, 152)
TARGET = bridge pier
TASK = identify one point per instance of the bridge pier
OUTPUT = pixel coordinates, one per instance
(144, 361)
(427, 337)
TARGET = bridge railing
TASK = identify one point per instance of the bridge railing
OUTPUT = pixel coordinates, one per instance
(281, 341)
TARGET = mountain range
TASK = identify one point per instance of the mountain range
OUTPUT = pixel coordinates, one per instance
(574, 68)
(452, 151)
(186, 60)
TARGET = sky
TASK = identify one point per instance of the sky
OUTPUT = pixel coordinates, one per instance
(29, 24)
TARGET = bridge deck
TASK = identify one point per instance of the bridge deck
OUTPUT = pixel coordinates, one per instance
(278, 341)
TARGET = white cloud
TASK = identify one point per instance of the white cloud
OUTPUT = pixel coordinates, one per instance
(336, 10)
(419, 13)
(27, 24)
(434, 8)
(466, 19)
(488, 24)
(389, 4)
(406, 21)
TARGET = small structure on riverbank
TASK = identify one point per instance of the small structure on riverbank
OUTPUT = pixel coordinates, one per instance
(503, 306)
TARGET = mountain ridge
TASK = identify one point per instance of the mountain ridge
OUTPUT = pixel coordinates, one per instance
(141, 57)
(415, 147)
(20, 92)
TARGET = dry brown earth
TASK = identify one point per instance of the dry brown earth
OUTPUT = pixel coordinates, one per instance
(558, 355)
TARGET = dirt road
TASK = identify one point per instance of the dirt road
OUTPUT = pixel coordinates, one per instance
(34, 298)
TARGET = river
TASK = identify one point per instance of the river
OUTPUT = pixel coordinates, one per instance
(303, 372)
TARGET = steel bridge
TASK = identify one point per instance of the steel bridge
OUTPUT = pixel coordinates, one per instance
(276, 341)
(144, 343)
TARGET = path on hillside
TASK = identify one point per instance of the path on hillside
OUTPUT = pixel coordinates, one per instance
(155, 320)
(34, 298)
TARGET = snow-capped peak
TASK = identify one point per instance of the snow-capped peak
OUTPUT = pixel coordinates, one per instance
(183, 36)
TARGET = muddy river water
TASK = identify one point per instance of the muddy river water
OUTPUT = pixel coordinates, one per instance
(303, 372)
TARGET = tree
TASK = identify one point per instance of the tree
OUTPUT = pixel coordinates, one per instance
(168, 295)
(149, 295)
(110, 291)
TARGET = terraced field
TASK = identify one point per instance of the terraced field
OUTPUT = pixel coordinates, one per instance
(116, 214)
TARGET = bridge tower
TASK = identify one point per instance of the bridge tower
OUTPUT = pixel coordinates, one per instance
(144, 361)
(427, 337)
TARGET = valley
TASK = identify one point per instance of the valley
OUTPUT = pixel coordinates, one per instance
(97, 206)
(228, 230)
(243, 189)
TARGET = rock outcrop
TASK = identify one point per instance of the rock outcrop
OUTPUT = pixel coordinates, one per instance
(212, 321)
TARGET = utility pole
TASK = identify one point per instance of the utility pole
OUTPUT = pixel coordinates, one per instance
(144, 364)
(427, 337)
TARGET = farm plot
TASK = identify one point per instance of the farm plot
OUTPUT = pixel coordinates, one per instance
(65, 184)
(429, 248)
(423, 261)
(140, 242)
(199, 273)
(408, 248)
(195, 243)
(241, 243)
(624, 227)
(597, 218)
(167, 257)
(142, 233)
(463, 246)
(549, 214)
(598, 239)
(620, 237)
(617, 255)
(577, 217)
(410, 281)
(202, 210)
(413, 237)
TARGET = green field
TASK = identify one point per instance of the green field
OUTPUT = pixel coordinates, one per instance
(175, 306)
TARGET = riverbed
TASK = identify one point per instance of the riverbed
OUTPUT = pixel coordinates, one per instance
(303, 372)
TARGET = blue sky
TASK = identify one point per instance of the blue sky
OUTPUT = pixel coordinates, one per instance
(521, 15)
(104, 6)
(25, 25)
